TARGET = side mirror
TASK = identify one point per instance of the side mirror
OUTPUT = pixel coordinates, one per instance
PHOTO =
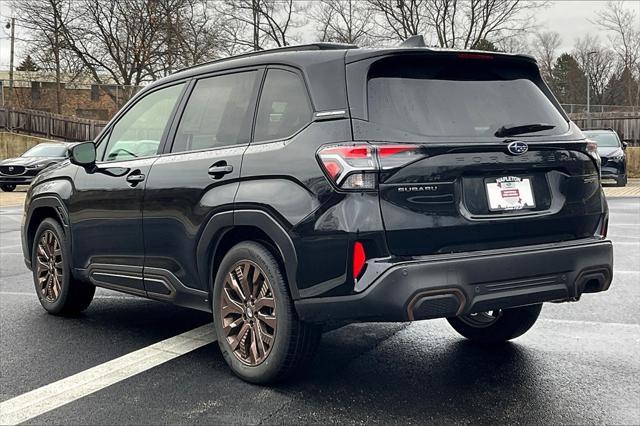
(624, 145)
(83, 154)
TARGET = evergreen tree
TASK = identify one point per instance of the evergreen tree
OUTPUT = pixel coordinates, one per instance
(28, 64)
(569, 83)
(484, 44)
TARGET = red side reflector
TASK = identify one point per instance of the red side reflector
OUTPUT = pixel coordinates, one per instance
(359, 259)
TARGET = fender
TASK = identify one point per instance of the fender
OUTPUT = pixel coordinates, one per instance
(221, 223)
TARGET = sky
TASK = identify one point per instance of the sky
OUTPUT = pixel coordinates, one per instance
(572, 19)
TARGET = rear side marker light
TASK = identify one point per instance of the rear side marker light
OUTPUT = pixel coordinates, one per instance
(355, 166)
(359, 260)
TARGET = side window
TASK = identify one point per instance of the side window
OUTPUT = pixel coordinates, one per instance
(217, 114)
(284, 106)
(138, 132)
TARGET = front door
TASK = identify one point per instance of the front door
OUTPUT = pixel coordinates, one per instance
(106, 206)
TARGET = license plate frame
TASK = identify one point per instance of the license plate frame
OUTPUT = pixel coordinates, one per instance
(509, 193)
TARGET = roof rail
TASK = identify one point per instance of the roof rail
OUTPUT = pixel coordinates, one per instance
(296, 48)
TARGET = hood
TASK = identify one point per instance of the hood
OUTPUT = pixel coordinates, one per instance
(29, 161)
(606, 151)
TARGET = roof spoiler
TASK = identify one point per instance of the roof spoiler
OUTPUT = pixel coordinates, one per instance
(413, 41)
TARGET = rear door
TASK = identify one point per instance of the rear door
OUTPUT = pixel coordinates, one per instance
(490, 160)
(196, 177)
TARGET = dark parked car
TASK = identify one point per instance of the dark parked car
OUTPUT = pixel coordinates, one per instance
(612, 155)
(21, 170)
(319, 185)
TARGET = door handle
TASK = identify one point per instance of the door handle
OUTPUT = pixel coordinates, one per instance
(220, 169)
(135, 177)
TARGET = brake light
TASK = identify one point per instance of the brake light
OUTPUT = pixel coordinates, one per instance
(359, 259)
(592, 150)
(475, 56)
(355, 167)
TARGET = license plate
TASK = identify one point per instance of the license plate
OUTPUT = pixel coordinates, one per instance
(510, 193)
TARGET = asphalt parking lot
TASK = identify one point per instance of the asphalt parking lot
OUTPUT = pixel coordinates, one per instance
(579, 364)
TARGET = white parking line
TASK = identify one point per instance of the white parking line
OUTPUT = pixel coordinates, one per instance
(39, 401)
(592, 323)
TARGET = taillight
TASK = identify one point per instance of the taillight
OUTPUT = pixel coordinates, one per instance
(592, 150)
(349, 166)
(603, 227)
(355, 167)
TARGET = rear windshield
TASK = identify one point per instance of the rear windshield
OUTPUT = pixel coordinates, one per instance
(604, 139)
(451, 97)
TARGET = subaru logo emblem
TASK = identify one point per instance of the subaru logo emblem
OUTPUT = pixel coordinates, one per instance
(517, 147)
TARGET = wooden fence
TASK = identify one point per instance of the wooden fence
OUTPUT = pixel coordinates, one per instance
(627, 125)
(49, 125)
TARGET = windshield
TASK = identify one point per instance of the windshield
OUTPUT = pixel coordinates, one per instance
(47, 150)
(603, 139)
(449, 97)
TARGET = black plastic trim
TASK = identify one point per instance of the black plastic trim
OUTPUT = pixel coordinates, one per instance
(492, 280)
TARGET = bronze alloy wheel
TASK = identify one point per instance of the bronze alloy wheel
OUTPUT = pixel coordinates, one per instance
(248, 313)
(49, 266)
(482, 319)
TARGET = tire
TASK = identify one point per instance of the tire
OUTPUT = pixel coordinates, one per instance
(60, 294)
(7, 187)
(502, 325)
(292, 342)
(621, 181)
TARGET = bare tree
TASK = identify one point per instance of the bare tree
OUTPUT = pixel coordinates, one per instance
(262, 23)
(598, 64)
(624, 26)
(401, 18)
(458, 23)
(515, 44)
(192, 32)
(465, 23)
(344, 21)
(545, 48)
(45, 21)
(117, 40)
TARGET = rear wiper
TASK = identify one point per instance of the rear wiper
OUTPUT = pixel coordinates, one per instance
(525, 128)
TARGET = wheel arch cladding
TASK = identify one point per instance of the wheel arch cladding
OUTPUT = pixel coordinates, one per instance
(224, 230)
(39, 209)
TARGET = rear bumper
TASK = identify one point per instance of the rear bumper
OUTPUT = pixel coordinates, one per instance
(452, 285)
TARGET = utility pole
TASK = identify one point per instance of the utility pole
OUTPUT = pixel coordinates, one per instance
(256, 24)
(589, 88)
(13, 39)
(56, 56)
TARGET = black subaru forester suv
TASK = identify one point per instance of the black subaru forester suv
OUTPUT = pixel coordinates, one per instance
(319, 185)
